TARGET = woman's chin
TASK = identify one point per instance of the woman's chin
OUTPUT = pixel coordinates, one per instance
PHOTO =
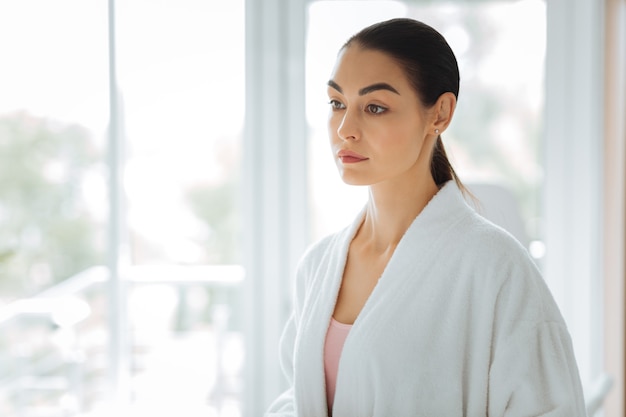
(354, 180)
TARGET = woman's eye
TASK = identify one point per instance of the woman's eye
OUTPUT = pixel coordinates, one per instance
(336, 105)
(376, 109)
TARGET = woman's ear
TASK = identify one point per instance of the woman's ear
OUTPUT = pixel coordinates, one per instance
(443, 110)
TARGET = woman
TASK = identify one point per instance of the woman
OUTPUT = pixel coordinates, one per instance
(420, 307)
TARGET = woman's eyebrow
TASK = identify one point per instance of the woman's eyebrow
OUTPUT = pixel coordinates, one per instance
(375, 87)
(366, 90)
(334, 85)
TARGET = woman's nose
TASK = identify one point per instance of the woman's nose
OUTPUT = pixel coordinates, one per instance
(348, 128)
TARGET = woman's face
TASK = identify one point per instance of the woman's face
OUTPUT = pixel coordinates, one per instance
(378, 127)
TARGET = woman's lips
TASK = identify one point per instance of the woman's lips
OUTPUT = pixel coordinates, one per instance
(350, 157)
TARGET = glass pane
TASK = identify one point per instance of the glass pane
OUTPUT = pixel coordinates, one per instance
(181, 74)
(53, 115)
(53, 204)
(495, 136)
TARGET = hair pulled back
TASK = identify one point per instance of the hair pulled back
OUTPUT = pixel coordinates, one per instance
(429, 64)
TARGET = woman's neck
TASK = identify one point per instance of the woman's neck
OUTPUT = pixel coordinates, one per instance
(391, 209)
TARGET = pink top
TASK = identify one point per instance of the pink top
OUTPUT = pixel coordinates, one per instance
(335, 338)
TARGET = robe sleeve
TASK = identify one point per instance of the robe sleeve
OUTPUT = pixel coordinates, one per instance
(284, 405)
(535, 374)
(533, 370)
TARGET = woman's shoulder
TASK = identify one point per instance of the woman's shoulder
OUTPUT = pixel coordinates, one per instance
(485, 239)
(501, 260)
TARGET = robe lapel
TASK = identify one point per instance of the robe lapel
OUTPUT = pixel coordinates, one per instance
(317, 311)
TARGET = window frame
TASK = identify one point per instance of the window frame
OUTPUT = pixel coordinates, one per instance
(573, 158)
(274, 186)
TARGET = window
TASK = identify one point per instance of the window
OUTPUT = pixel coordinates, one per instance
(53, 115)
(180, 72)
(181, 78)
(53, 196)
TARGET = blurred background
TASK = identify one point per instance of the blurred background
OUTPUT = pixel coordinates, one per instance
(164, 164)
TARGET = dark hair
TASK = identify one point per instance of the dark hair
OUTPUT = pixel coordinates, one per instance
(429, 64)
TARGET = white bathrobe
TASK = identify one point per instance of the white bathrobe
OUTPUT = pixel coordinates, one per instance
(460, 324)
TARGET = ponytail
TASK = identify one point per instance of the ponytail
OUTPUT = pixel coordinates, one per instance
(441, 168)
